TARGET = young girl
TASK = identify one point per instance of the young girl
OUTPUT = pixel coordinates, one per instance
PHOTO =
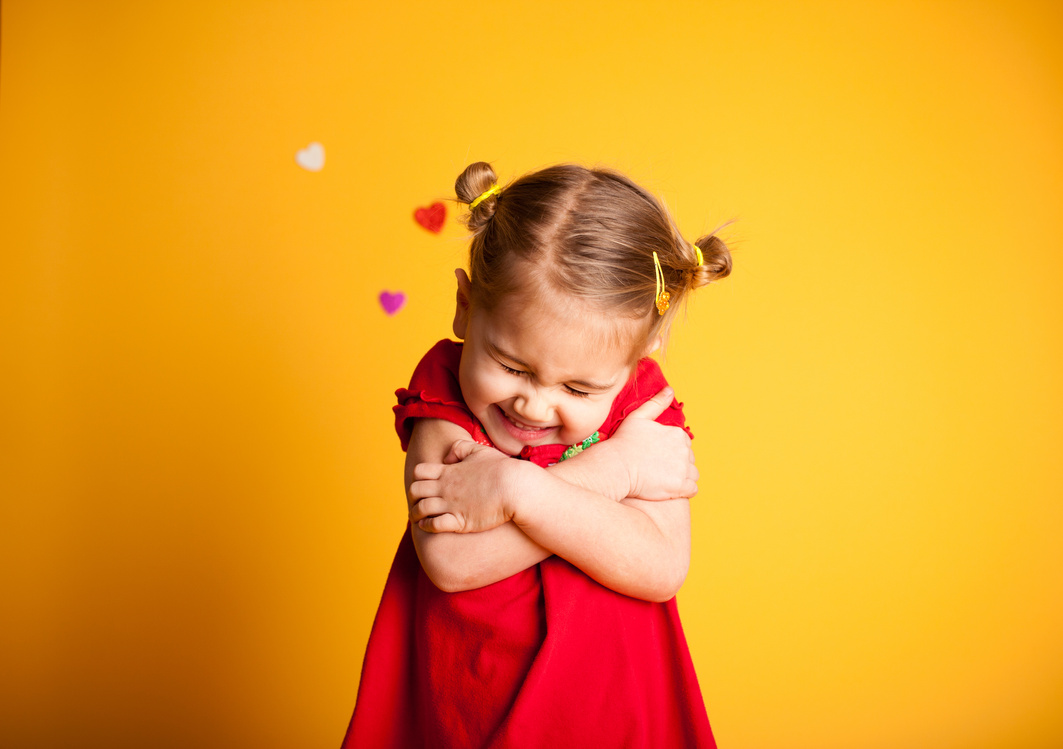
(532, 602)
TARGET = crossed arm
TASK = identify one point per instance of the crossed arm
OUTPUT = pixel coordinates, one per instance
(618, 511)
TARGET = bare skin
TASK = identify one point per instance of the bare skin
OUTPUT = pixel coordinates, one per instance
(479, 516)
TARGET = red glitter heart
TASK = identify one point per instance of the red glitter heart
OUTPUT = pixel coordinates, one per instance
(432, 217)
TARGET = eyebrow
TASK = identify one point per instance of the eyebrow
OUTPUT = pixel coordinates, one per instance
(497, 350)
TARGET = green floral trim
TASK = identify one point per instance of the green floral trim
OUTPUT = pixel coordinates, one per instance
(577, 449)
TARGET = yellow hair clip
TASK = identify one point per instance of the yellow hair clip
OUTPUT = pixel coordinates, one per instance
(662, 297)
(493, 190)
(701, 258)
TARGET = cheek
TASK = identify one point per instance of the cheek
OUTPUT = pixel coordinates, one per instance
(586, 417)
(482, 389)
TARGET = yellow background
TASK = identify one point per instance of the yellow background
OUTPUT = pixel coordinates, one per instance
(201, 486)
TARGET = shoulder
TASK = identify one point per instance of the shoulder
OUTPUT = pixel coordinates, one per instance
(646, 381)
(437, 370)
(445, 354)
(648, 374)
(434, 392)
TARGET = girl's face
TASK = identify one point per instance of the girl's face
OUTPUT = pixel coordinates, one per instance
(538, 374)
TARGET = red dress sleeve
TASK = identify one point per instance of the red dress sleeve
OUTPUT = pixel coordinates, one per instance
(646, 383)
(435, 393)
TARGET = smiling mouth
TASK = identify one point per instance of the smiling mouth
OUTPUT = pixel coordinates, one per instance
(522, 431)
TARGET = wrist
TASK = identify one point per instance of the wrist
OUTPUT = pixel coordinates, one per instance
(523, 485)
(605, 471)
(619, 470)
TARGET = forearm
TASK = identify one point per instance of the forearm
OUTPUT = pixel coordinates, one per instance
(637, 548)
(598, 469)
(640, 549)
(463, 561)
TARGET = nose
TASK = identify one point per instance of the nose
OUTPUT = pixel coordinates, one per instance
(534, 406)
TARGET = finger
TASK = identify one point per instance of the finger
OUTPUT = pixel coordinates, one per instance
(426, 507)
(656, 405)
(417, 510)
(421, 489)
(459, 451)
(440, 524)
(431, 471)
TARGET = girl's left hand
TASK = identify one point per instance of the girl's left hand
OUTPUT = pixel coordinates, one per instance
(473, 490)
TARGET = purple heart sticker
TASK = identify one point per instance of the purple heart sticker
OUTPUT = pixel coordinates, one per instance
(392, 303)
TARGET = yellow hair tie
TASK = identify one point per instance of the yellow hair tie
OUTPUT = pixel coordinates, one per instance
(494, 190)
(701, 258)
(662, 297)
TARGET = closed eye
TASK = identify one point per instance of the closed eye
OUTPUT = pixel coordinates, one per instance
(520, 373)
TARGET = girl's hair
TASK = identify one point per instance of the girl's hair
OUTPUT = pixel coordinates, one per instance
(590, 233)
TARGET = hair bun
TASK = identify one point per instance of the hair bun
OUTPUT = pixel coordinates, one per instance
(717, 261)
(477, 179)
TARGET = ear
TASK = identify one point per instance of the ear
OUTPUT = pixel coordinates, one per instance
(652, 346)
(461, 308)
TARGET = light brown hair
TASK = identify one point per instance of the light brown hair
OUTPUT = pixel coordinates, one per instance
(586, 232)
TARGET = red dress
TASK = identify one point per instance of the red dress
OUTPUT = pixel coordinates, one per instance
(545, 658)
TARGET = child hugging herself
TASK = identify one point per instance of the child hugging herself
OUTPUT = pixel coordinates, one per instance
(548, 472)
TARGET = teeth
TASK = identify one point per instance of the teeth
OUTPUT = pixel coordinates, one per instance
(522, 425)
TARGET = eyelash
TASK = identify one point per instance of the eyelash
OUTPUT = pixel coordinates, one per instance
(519, 373)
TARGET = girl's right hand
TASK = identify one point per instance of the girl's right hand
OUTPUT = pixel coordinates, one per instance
(473, 490)
(659, 459)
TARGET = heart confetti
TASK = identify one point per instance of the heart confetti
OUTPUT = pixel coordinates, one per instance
(311, 158)
(431, 217)
(392, 303)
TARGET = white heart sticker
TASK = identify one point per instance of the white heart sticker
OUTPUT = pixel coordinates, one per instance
(311, 158)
